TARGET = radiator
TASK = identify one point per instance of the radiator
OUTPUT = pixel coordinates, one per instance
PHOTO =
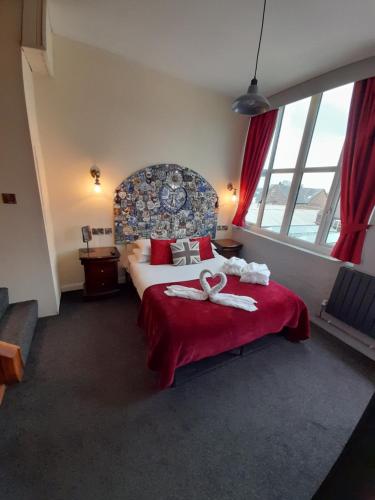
(352, 300)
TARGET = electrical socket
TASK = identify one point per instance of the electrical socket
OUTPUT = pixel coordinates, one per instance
(101, 230)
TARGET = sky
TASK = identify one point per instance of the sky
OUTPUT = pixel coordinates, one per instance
(328, 138)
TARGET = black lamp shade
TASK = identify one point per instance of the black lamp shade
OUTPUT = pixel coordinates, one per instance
(252, 103)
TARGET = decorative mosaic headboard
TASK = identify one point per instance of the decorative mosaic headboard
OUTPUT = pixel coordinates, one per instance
(166, 201)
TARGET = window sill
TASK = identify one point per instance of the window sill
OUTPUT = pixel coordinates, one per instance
(269, 236)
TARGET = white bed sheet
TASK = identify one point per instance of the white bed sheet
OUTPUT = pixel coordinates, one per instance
(144, 274)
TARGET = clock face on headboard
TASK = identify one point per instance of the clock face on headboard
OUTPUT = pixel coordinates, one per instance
(172, 199)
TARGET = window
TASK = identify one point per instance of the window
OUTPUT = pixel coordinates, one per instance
(311, 200)
(297, 197)
(291, 130)
(334, 228)
(275, 203)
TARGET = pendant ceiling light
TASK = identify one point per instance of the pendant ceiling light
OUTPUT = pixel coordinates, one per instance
(253, 103)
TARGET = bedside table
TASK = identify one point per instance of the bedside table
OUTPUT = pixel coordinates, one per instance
(101, 275)
(228, 248)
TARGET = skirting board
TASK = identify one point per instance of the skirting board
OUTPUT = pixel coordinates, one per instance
(349, 339)
(71, 287)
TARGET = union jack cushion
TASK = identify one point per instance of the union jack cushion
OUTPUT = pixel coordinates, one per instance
(185, 252)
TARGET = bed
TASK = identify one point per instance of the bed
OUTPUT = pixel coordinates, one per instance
(181, 331)
(169, 202)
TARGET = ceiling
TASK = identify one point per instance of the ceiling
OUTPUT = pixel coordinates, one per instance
(213, 42)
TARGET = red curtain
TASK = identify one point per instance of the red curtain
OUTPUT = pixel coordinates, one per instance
(358, 173)
(258, 141)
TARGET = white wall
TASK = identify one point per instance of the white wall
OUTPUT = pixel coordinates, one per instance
(25, 267)
(40, 172)
(100, 108)
(368, 255)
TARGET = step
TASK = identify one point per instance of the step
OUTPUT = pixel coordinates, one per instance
(4, 301)
(17, 326)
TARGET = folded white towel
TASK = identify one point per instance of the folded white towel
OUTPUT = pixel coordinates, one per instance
(249, 273)
(234, 266)
(212, 293)
(185, 292)
(237, 301)
(256, 274)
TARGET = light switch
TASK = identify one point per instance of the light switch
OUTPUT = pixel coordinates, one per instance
(9, 198)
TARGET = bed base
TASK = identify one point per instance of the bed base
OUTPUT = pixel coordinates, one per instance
(187, 373)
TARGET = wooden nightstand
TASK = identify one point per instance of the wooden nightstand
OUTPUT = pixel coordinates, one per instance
(101, 276)
(228, 248)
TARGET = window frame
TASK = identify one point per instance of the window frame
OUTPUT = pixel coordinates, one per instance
(320, 244)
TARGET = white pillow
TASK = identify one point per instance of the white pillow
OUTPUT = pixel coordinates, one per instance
(141, 257)
(144, 246)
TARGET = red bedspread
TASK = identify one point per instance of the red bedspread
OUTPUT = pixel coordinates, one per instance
(180, 331)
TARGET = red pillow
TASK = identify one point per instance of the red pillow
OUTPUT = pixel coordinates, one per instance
(205, 249)
(161, 252)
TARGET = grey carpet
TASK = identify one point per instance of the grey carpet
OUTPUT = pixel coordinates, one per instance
(87, 423)
(4, 301)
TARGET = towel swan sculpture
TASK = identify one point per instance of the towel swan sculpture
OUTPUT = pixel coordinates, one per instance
(212, 293)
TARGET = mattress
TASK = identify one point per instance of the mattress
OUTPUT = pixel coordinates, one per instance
(144, 274)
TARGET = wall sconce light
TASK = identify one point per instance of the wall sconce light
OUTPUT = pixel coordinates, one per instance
(230, 187)
(95, 173)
